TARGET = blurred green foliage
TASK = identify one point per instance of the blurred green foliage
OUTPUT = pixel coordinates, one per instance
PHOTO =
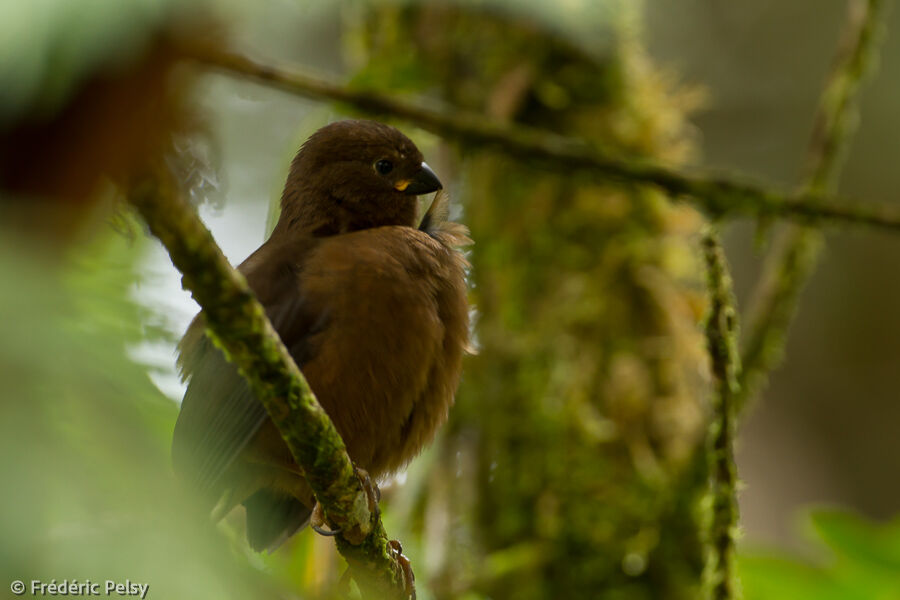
(84, 433)
(861, 562)
(49, 47)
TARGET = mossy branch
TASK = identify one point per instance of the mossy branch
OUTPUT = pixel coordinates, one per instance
(792, 260)
(237, 323)
(721, 335)
(718, 196)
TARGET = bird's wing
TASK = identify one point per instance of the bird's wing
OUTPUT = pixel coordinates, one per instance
(219, 414)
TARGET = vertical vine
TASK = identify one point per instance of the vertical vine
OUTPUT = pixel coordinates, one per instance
(793, 257)
(720, 578)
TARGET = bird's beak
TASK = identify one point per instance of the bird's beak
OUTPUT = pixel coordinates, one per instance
(423, 182)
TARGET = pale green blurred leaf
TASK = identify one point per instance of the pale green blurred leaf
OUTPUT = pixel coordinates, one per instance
(47, 47)
(862, 561)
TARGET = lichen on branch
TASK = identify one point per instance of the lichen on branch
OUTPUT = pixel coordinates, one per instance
(719, 196)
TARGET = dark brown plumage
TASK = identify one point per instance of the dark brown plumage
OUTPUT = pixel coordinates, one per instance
(372, 309)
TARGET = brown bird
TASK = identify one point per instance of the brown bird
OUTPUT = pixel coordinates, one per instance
(372, 309)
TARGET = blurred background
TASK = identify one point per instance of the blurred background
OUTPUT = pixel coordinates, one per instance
(826, 430)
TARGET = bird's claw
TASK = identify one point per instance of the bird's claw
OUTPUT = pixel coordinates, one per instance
(409, 578)
(396, 550)
(317, 522)
(372, 492)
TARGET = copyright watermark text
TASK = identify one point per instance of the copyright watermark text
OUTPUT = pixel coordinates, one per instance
(74, 587)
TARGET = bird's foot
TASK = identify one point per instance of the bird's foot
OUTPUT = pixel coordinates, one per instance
(373, 494)
(409, 578)
(317, 522)
(371, 488)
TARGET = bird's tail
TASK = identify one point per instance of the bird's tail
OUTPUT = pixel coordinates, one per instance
(272, 518)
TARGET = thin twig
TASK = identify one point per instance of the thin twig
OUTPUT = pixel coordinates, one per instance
(721, 335)
(237, 323)
(717, 195)
(793, 258)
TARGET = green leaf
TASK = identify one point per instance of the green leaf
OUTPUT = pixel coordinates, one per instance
(861, 560)
(870, 545)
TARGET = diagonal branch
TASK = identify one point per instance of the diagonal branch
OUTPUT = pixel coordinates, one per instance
(237, 323)
(719, 196)
(721, 336)
(793, 258)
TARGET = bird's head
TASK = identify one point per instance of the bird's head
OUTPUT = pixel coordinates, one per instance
(353, 175)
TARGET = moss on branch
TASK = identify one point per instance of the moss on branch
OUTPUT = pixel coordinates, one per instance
(722, 335)
(237, 323)
(719, 196)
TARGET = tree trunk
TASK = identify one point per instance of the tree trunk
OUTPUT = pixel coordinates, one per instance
(572, 467)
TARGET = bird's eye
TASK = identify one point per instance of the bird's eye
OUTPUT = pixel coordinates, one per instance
(384, 166)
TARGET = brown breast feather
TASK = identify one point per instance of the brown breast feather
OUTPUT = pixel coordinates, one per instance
(386, 364)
